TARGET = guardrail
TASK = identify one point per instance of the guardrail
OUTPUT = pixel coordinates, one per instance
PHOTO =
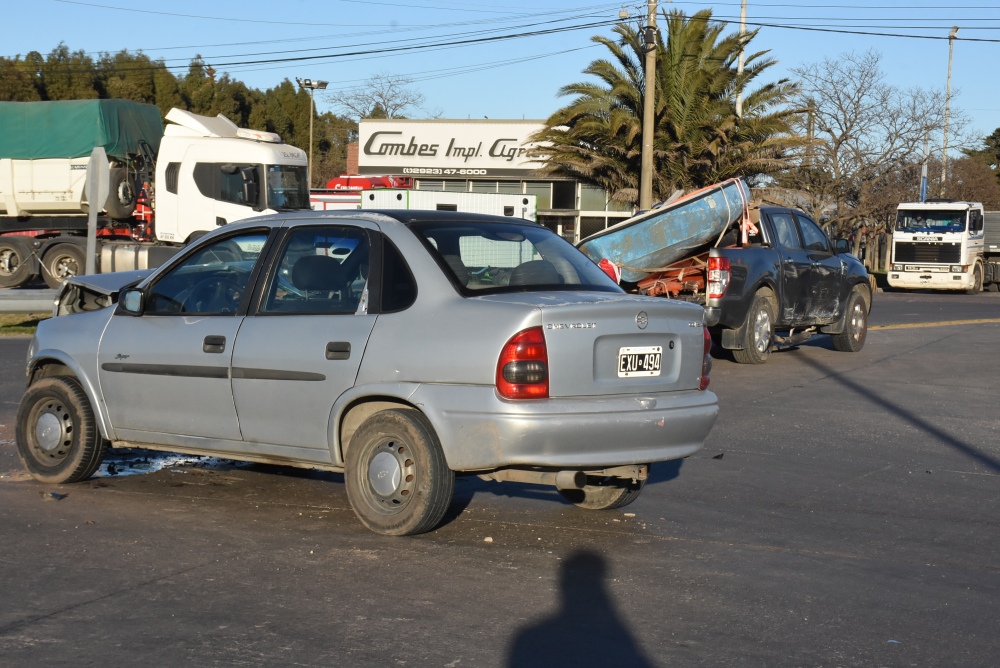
(26, 301)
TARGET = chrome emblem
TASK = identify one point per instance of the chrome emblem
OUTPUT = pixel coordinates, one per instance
(642, 320)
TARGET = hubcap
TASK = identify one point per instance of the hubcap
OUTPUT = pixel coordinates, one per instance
(65, 267)
(391, 474)
(762, 331)
(53, 432)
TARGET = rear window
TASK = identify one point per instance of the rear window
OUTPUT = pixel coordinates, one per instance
(498, 257)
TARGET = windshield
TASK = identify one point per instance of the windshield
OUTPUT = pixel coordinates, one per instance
(510, 257)
(287, 187)
(930, 221)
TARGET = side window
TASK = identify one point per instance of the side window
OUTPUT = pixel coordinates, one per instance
(399, 289)
(210, 281)
(223, 182)
(815, 239)
(784, 227)
(320, 270)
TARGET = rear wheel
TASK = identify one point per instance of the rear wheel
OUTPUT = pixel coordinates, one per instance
(398, 481)
(57, 436)
(758, 330)
(61, 262)
(604, 493)
(15, 269)
(852, 339)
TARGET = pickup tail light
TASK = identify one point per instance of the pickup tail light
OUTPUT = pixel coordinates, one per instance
(706, 361)
(718, 276)
(523, 367)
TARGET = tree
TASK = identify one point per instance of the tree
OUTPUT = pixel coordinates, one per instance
(382, 96)
(699, 138)
(863, 134)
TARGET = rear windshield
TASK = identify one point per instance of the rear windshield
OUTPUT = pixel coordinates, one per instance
(510, 257)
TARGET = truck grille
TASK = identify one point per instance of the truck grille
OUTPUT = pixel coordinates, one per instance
(908, 251)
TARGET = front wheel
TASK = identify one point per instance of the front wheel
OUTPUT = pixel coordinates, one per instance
(398, 481)
(852, 339)
(604, 493)
(57, 436)
(758, 330)
(977, 281)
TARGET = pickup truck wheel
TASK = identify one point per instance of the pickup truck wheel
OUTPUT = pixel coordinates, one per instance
(57, 436)
(15, 269)
(398, 481)
(852, 339)
(604, 493)
(60, 262)
(758, 330)
(977, 281)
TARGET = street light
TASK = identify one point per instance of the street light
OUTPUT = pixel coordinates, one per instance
(313, 86)
(947, 104)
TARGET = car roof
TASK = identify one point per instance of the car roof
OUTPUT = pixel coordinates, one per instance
(404, 216)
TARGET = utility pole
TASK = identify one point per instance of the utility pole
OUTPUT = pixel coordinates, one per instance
(742, 60)
(648, 100)
(947, 108)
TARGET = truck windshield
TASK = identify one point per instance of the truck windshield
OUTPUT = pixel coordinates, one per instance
(908, 220)
(287, 187)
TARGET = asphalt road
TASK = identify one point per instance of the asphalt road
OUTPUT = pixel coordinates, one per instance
(843, 513)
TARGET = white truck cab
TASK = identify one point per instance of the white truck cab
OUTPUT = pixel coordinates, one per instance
(938, 245)
(209, 172)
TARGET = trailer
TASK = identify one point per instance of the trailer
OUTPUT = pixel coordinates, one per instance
(497, 204)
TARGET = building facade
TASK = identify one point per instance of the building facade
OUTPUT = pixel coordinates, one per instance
(487, 156)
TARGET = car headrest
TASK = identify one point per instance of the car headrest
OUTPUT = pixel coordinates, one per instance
(318, 272)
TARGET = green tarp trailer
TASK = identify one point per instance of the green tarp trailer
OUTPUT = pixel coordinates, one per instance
(73, 128)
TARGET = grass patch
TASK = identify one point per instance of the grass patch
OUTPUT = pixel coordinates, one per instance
(20, 324)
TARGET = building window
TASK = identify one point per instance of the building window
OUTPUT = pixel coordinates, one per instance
(541, 190)
(592, 198)
(564, 194)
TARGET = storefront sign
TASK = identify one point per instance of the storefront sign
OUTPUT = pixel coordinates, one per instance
(447, 149)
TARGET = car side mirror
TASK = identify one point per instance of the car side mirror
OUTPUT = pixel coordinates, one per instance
(841, 246)
(131, 302)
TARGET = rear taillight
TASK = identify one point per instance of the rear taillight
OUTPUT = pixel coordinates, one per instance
(706, 361)
(523, 367)
(718, 276)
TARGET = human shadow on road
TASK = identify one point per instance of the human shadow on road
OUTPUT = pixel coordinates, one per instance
(585, 630)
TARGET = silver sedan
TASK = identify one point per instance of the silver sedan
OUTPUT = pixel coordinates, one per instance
(399, 348)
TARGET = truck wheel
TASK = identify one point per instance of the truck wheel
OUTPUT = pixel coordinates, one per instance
(60, 262)
(758, 330)
(57, 436)
(977, 281)
(398, 481)
(604, 493)
(15, 269)
(852, 339)
(122, 194)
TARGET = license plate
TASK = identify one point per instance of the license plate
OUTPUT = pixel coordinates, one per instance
(637, 361)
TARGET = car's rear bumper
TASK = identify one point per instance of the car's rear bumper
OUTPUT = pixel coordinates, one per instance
(480, 431)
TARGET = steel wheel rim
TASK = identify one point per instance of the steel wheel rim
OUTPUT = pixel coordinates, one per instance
(8, 262)
(857, 322)
(65, 267)
(52, 433)
(390, 475)
(762, 331)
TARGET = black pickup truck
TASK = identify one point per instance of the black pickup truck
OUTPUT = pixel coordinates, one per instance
(782, 283)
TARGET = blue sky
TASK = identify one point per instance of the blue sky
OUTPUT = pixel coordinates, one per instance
(458, 56)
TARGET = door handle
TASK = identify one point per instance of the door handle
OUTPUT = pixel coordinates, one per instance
(219, 221)
(214, 344)
(338, 350)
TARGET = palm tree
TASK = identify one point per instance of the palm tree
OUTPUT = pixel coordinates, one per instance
(699, 140)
